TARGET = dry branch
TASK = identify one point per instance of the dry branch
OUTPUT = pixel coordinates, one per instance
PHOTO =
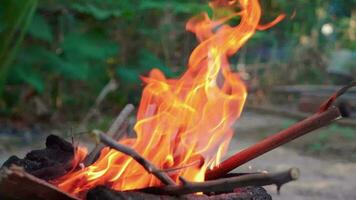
(116, 131)
(149, 167)
(109, 87)
(312, 123)
(15, 183)
(228, 184)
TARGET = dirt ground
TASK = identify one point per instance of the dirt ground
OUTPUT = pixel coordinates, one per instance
(326, 173)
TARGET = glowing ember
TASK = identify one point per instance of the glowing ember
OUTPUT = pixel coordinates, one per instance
(187, 120)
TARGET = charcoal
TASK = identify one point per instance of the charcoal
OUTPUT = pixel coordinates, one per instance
(49, 163)
(245, 193)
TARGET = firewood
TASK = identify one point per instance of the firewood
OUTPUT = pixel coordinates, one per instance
(116, 131)
(49, 163)
(227, 184)
(16, 184)
(245, 193)
(147, 165)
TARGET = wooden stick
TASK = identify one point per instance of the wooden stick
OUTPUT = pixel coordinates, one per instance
(228, 184)
(15, 183)
(336, 95)
(109, 87)
(116, 131)
(301, 128)
(147, 165)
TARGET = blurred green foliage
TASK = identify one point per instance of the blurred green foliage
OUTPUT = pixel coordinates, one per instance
(73, 48)
(64, 52)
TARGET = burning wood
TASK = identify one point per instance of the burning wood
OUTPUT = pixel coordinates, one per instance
(225, 184)
(147, 165)
(228, 184)
(16, 183)
(116, 131)
(184, 120)
(180, 122)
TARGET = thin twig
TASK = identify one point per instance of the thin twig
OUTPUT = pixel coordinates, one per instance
(147, 165)
(227, 184)
(120, 121)
(116, 131)
(174, 169)
(109, 87)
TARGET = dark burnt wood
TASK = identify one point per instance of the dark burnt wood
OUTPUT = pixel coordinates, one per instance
(49, 163)
(245, 193)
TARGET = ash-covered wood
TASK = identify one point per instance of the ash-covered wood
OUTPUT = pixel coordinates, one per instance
(245, 193)
(49, 163)
(16, 184)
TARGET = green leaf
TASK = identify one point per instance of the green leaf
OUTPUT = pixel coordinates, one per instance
(98, 11)
(69, 69)
(53, 63)
(176, 6)
(10, 42)
(129, 75)
(90, 45)
(31, 78)
(40, 29)
(149, 60)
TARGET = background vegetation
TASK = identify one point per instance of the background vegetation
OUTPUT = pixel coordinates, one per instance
(56, 56)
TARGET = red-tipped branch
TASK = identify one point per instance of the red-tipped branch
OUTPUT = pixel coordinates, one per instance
(312, 123)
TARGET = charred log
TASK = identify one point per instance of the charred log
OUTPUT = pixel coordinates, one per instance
(49, 163)
(245, 193)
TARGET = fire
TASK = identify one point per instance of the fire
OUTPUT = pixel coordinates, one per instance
(182, 123)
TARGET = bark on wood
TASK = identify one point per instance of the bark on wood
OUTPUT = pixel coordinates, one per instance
(228, 184)
(16, 184)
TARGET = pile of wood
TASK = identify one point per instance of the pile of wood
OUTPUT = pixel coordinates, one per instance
(21, 183)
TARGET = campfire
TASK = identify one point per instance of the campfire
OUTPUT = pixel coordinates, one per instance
(183, 128)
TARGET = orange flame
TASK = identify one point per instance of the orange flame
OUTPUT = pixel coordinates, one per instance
(182, 121)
